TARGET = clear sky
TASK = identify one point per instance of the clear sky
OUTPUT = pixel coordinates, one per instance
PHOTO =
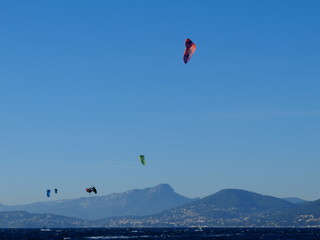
(87, 86)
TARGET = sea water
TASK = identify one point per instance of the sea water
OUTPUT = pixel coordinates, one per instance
(163, 233)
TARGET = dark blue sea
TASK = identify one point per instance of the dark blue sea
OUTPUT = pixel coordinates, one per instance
(164, 233)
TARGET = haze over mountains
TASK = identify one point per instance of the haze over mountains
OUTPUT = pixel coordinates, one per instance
(135, 202)
(228, 207)
(294, 200)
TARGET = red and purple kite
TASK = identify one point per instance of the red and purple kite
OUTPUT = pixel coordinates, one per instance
(190, 49)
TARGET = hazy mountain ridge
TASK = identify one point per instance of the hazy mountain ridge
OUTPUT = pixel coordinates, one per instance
(136, 202)
(229, 207)
(294, 200)
(23, 219)
(245, 200)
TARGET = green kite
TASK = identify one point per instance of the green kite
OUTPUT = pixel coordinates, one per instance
(142, 160)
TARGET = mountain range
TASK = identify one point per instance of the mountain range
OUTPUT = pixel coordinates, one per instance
(229, 208)
(137, 202)
(226, 208)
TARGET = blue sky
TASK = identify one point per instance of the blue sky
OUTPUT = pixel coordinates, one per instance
(85, 87)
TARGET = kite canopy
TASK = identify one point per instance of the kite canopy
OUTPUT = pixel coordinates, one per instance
(142, 159)
(190, 49)
(91, 189)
